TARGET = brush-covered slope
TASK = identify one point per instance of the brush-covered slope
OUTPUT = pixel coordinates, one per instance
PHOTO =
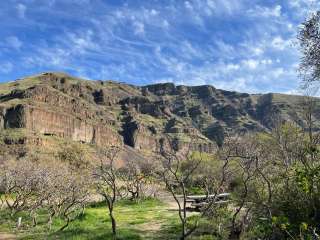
(38, 109)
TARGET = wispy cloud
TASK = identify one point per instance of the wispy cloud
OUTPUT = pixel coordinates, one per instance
(13, 42)
(233, 44)
(6, 67)
(267, 12)
(21, 10)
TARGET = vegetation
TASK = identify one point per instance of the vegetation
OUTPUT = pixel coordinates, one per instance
(255, 186)
(21, 85)
(273, 177)
(147, 219)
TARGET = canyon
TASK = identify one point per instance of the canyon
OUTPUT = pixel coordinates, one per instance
(41, 110)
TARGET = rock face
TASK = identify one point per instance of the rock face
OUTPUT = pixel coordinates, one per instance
(107, 113)
(68, 126)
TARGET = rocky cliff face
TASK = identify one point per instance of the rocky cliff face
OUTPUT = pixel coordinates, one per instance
(106, 113)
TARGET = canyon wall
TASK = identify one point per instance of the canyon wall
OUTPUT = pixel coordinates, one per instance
(63, 125)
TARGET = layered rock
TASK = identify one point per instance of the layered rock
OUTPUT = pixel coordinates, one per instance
(106, 113)
(60, 124)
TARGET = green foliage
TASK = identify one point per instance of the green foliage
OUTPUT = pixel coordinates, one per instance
(144, 219)
(13, 134)
(134, 219)
(75, 155)
(291, 164)
(23, 84)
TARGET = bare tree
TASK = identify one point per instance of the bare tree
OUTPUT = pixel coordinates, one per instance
(19, 180)
(107, 184)
(133, 180)
(179, 169)
(137, 178)
(68, 193)
(30, 186)
(176, 171)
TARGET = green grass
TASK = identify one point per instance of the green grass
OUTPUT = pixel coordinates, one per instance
(147, 219)
(22, 84)
(13, 134)
(148, 119)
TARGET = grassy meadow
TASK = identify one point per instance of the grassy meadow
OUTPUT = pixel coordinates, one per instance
(146, 219)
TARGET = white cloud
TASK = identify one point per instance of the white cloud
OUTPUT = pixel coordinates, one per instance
(302, 8)
(154, 12)
(13, 42)
(231, 67)
(6, 67)
(165, 24)
(278, 72)
(266, 61)
(138, 28)
(80, 42)
(211, 4)
(191, 42)
(191, 51)
(250, 63)
(279, 43)
(301, 3)
(257, 51)
(188, 5)
(21, 10)
(262, 11)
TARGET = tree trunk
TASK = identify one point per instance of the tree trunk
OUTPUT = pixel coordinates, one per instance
(114, 225)
(66, 225)
(183, 232)
(34, 221)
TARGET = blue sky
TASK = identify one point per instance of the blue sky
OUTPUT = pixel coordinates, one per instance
(242, 45)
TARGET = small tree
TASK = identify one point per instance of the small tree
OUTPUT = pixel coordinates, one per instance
(32, 185)
(20, 180)
(68, 193)
(176, 171)
(107, 184)
(179, 169)
(309, 37)
(137, 178)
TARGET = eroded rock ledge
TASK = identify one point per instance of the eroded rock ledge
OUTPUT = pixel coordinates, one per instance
(106, 113)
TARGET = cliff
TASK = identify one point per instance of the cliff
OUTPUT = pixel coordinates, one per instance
(107, 113)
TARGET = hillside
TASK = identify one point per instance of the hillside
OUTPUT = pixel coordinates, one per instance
(54, 108)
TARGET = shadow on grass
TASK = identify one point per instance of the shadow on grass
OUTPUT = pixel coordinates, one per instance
(97, 234)
(77, 234)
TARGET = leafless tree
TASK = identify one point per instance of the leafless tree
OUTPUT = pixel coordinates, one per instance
(133, 180)
(179, 167)
(68, 193)
(107, 182)
(19, 180)
(137, 178)
(176, 170)
(30, 186)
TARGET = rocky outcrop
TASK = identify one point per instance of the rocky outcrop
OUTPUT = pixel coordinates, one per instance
(138, 136)
(68, 126)
(15, 117)
(162, 89)
(60, 124)
(106, 113)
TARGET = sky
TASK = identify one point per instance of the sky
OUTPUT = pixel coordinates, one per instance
(241, 45)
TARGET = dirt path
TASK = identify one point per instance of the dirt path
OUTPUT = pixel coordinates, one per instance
(168, 199)
(7, 236)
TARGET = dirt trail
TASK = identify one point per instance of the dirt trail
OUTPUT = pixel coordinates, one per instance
(7, 236)
(168, 199)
